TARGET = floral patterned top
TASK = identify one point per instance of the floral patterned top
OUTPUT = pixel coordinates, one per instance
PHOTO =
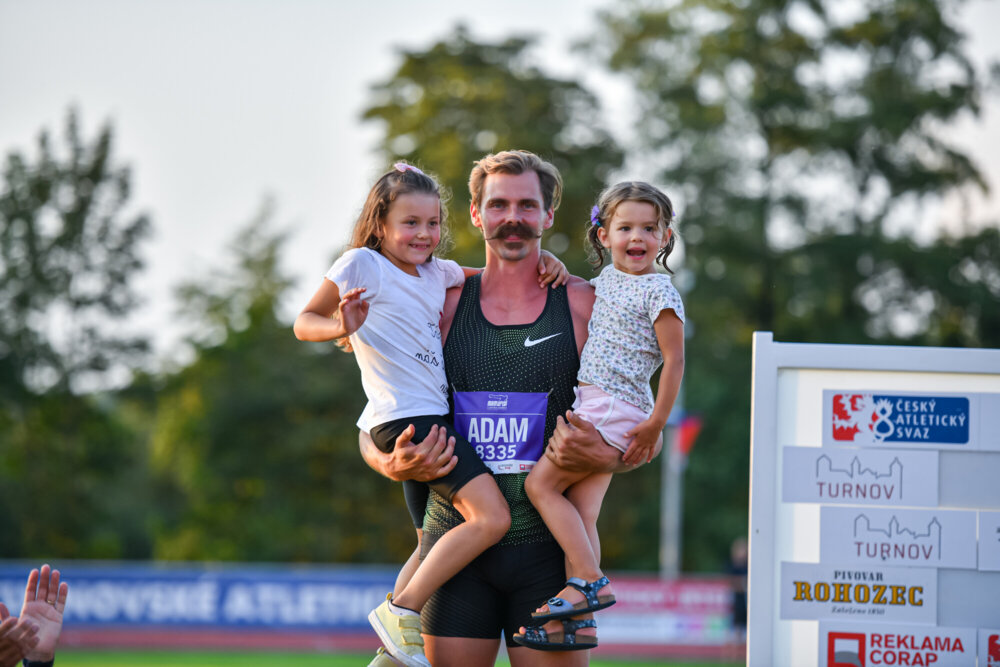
(621, 353)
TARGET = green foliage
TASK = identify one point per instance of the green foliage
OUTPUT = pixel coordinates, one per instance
(66, 258)
(800, 140)
(254, 442)
(448, 106)
(70, 472)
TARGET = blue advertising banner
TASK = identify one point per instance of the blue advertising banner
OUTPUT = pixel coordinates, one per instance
(279, 597)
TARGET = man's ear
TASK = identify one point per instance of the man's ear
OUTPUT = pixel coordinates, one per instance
(474, 215)
(549, 218)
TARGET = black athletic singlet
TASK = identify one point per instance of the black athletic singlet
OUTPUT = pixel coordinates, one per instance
(536, 357)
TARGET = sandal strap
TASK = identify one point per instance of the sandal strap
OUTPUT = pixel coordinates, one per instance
(588, 589)
(570, 626)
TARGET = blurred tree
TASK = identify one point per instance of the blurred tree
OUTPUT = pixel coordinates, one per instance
(460, 99)
(67, 253)
(802, 140)
(70, 473)
(255, 443)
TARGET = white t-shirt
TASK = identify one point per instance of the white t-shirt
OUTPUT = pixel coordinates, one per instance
(621, 352)
(398, 348)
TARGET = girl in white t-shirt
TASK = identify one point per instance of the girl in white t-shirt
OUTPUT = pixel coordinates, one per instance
(637, 324)
(387, 294)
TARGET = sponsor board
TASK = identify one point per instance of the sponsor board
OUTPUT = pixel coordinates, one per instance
(989, 541)
(888, 595)
(860, 476)
(989, 647)
(874, 645)
(892, 419)
(920, 538)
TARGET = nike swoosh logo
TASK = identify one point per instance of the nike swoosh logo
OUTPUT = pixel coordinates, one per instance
(528, 342)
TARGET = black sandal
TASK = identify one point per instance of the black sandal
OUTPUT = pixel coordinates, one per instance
(537, 638)
(559, 608)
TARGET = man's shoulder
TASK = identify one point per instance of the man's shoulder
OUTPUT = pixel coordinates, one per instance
(581, 296)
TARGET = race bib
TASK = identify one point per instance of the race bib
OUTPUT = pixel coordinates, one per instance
(507, 429)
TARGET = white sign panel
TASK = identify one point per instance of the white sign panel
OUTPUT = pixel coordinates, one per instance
(895, 595)
(989, 647)
(924, 538)
(989, 540)
(871, 645)
(860, 476)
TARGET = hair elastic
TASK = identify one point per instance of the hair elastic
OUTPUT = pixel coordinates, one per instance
(595, 215)
(402, 166)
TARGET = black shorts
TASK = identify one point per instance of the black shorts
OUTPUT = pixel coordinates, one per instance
(496, 592)
(469, 464)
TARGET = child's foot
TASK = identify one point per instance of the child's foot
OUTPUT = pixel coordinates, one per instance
(400, 634)
(383, 659)
(577, 597)
(565, 634)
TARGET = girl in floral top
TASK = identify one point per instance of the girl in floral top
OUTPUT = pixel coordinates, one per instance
(637, 323)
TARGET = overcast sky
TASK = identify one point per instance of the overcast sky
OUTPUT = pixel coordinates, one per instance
(217, 103)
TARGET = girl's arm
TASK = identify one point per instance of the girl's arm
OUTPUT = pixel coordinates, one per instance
(670, 338)
(317, 323)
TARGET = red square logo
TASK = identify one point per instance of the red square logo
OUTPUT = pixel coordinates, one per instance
(845, 649)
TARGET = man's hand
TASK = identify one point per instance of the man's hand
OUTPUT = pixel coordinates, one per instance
(423, 462)
(44, 604)
(17, 638)
(646, 435)
(577, 446)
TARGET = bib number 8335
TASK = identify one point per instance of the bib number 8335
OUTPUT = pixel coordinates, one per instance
(496, 452)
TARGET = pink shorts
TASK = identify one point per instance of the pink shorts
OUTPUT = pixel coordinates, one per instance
(611, 416)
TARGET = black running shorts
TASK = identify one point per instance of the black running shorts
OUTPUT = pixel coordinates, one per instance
(469, 464)
(496, 592)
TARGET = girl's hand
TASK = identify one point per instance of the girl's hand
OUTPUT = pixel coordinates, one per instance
(645, 436)
(352, 310)
(551, 270)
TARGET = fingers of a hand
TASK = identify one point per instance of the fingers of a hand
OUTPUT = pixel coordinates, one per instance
(449, 466)
(4, 612)
(577, 421)
(7, 624)
(403, 439)
(61, 598)
(31, 589)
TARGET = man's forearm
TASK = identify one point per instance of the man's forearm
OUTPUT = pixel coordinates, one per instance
(377, 460)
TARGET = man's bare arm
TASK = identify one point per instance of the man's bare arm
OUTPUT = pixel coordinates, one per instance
(577, 446)
(423, 462)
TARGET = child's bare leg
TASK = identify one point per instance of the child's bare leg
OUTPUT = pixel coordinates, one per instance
(587, 496)
(545, 486)
(487, 519)
(409, 567)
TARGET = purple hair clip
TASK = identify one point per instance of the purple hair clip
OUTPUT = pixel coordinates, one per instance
(595, 215)
(402, 166)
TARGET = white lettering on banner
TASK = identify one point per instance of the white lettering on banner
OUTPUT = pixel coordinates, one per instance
(309, 604)
(498, 429)
(156, 602)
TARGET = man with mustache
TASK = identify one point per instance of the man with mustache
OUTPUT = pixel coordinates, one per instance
(511, 355)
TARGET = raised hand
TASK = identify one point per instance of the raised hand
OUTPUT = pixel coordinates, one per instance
(44, 604)
(17, 637)
(352, 310)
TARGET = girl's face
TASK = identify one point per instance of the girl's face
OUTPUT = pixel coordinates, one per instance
(411, 230)
(634, 237)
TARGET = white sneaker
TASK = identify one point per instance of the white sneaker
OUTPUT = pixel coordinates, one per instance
(383, 659)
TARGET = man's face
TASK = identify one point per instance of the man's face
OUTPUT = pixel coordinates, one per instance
(511, 214)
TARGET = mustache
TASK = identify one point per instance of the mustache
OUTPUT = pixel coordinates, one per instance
(518, 229)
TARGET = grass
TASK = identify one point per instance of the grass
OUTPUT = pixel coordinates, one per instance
(87, 658)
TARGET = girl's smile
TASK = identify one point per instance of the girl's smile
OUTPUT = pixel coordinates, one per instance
(411, 231)
(634, 237)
